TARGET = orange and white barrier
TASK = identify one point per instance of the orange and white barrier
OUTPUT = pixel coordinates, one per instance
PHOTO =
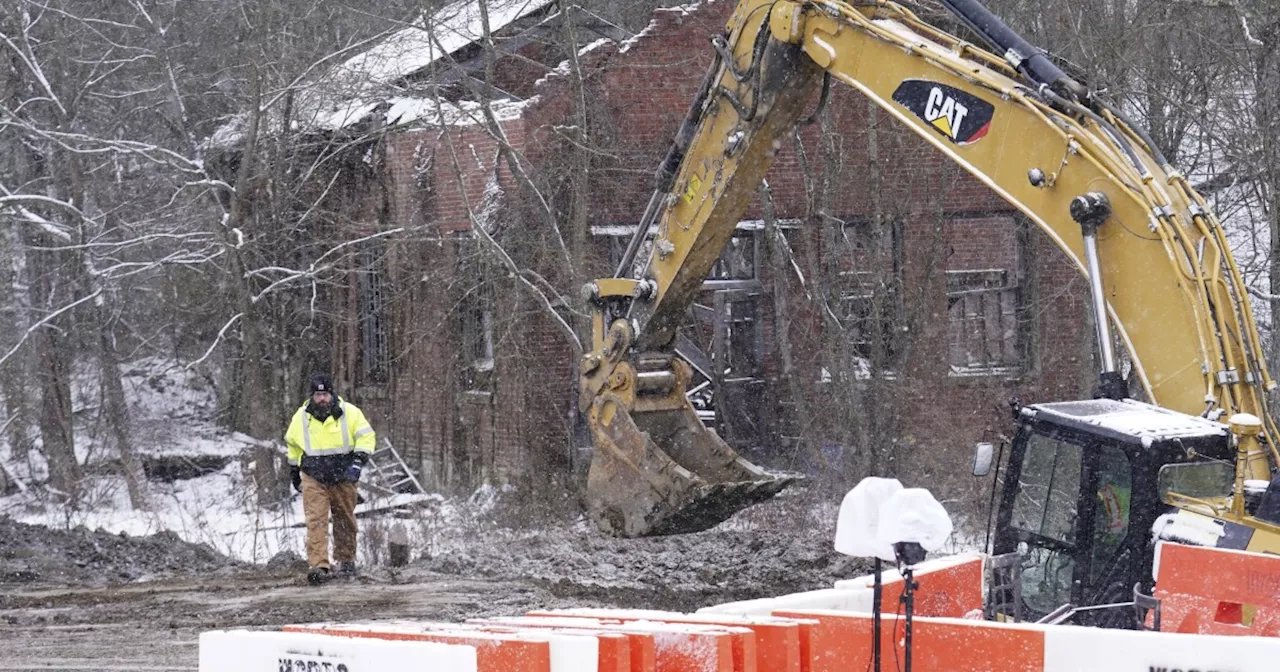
(842, 642)
(1203, 590)
(246, 651)
(1217, 591)
(677, 647)
(950, 586)
(496, 651)
(781, 643)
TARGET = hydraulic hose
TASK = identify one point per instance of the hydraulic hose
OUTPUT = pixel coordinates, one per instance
(1029, 60)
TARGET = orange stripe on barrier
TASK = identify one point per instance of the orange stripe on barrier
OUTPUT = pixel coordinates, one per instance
(618, 652)
(1218, 591)
(615, 652)
(677, 648)
(949, 588)
(777, 640)
(643, 648)
(842, 642)
(495, 652)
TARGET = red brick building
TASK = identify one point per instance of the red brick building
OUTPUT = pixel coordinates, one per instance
(883, 330)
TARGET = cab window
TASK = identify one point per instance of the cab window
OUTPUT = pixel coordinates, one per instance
(1046, 507)
(1048, 489)
(1113, 502)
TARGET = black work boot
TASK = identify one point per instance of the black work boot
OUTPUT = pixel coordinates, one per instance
(317, 575)
(347, 570)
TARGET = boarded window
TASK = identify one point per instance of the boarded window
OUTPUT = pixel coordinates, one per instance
(738, 259)
(982, 322)
(864, 291)
(477, 328)
(737, 262)
(374, 326)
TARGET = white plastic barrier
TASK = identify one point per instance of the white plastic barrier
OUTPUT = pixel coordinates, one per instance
(251, 651)
(1073, 648)
(841, 642)
(839, 599)
(512, 651)
(949, 586)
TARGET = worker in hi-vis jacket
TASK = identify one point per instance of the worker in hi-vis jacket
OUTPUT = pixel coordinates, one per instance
(329, 442)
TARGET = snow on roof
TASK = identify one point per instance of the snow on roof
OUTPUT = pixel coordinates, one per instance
(354, 89)
(1133, 418)
(453, 27)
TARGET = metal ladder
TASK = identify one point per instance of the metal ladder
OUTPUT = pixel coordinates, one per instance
(387, 474)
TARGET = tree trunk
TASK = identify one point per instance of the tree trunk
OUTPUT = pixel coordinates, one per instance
(115, 407)
(1267, 88)
(15, 382)
(247, 380)
(55, 410)
(53, 353)
(780, 271)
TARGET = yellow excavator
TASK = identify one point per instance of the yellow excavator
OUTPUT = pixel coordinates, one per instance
(1086, 480)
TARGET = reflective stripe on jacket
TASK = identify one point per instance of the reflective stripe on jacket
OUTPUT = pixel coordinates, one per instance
(344, 435)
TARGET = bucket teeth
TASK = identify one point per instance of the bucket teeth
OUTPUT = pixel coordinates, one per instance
(637, 489)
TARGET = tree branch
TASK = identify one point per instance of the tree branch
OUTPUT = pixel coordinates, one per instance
(45, 320)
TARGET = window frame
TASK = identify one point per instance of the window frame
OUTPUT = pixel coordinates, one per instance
(373, 315)
(842, 296)
(1018, 284)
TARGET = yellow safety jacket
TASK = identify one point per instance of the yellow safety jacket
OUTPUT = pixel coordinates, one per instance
(323, 449)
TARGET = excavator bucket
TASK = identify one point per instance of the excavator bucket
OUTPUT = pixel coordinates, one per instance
(636, 489)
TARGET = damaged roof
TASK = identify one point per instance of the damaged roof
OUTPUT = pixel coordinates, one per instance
(413, 49)
(354, 89)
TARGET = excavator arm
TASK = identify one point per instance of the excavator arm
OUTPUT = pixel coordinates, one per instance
(1157, 259)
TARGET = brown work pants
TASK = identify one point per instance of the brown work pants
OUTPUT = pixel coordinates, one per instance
(318, 500)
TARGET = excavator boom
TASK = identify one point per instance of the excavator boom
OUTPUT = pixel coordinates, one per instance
(1090, 180)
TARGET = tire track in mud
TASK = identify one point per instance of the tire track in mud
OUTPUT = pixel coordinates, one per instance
(76, 623)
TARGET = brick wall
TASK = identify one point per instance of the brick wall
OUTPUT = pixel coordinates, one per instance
(519, 427)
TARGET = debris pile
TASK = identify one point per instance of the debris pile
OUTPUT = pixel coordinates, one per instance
(37, 554)
(678, 572)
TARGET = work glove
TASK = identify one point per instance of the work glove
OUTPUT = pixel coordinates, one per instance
(295, 476)
(352, 474)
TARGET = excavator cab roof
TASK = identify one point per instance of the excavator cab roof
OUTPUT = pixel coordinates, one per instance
(1131, 422)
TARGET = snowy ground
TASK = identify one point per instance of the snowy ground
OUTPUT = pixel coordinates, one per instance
(172, 408)
(173, 411)
(72, 591)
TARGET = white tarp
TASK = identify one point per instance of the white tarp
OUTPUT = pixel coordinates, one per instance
(858, 525)
(913, 515)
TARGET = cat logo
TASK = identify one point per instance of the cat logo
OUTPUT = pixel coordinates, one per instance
(959, 116)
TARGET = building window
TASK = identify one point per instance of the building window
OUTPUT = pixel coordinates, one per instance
(865, 276)
(740, 354)
(738, 259)
(474, 313)
(477, 329)
(737, 263)
(374, 325)
(986, 330)
(982, 322)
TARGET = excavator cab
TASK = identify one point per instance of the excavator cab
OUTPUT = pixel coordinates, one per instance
(1083, 488)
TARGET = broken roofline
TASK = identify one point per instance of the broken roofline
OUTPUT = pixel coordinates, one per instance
(451, 28)
(439, 51)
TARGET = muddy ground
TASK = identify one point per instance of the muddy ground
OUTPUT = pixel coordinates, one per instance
(82, 600)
